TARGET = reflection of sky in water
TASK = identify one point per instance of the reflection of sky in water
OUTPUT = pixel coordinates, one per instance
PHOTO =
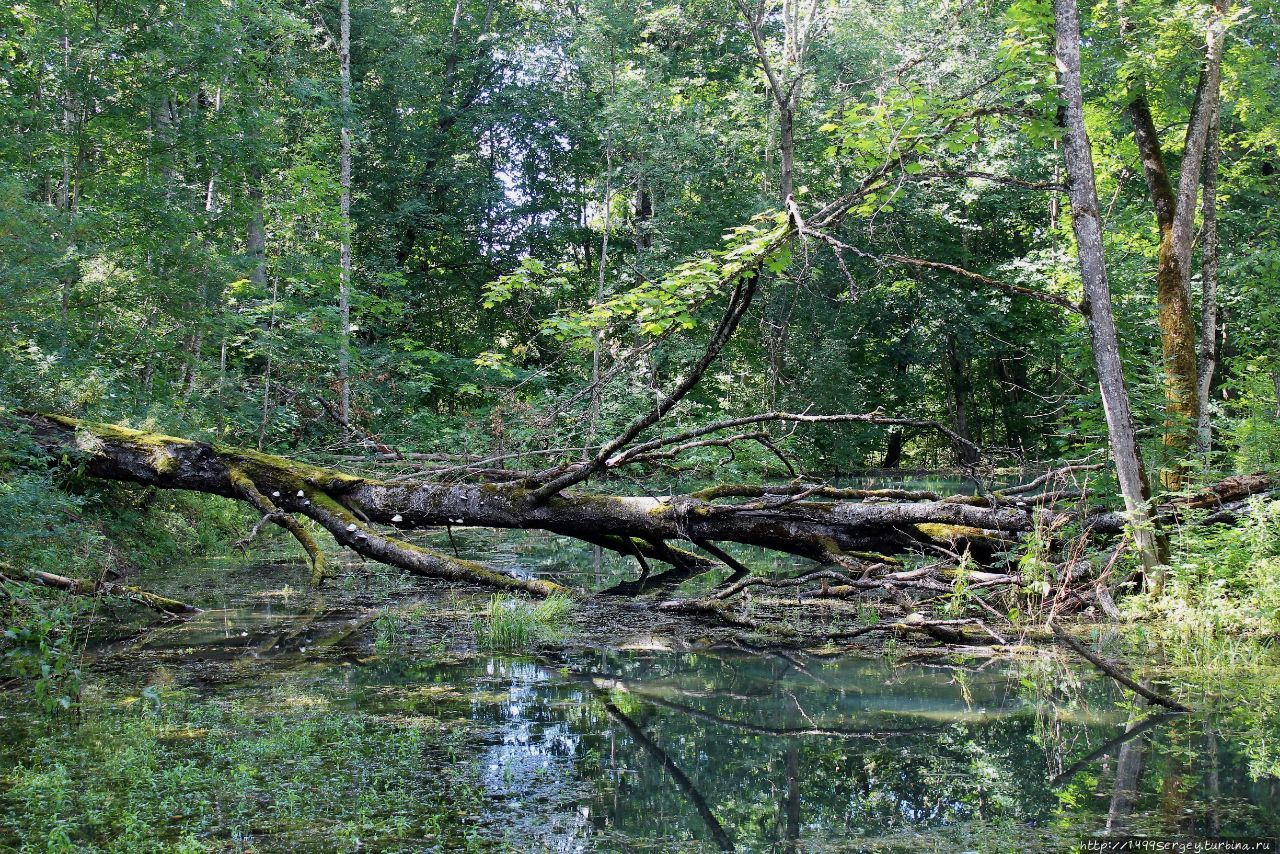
(532, 768)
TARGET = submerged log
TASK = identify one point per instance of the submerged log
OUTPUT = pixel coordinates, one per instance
(1115, 672)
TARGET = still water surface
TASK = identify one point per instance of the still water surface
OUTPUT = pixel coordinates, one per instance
(724, 745)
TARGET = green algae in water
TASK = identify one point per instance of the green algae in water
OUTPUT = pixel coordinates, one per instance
(166, 771)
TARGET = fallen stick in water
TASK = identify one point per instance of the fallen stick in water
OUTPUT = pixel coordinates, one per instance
(1115, 672)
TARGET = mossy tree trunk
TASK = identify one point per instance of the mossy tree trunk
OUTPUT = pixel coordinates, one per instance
(856, 530)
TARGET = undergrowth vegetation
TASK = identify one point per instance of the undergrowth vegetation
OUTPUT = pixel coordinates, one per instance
(1222, 579)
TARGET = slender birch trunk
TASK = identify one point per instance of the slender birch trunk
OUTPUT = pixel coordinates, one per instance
(1208, 289)
(344, 286)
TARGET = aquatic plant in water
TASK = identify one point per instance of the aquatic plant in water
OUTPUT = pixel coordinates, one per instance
(512, 622)
(167, 771)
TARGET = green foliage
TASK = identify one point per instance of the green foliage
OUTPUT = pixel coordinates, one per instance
(1225, 579)
(140, 162)
(1256, 433)
(959, 601)
(655, 307)
(38, 645)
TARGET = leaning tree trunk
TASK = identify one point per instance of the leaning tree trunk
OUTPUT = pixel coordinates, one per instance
(1083, 193)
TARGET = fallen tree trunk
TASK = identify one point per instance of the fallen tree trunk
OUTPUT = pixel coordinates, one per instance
(270, 484)
(851, 531)
(77, 587)
(349, 507)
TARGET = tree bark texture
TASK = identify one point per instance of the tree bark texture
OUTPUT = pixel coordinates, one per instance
(1208, 291)
(1175, 216)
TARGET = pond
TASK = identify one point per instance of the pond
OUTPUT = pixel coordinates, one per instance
(284, 719)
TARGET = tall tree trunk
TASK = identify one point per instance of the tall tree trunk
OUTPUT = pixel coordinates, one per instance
(66, 197)
(787, 144)
(1177, 326)
(959, 386)
(643, 214)
(593, 417)
(266, 371)
(344, 285)
(1083, 194)
(1175, 215)
(785, 85)
(778, 314)
(1208, 289)
(255, 233)
(893, 451)
(195, 344)
(255, 239)
(64, 188)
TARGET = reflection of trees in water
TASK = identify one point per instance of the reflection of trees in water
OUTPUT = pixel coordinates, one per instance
(770, 766)
(784, 750)
(682, 781)
(1124, 796)
(782, 753)
(804, 760)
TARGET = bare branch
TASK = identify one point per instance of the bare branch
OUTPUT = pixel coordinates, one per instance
(987, 176)
(865, 418)
(739, 302)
